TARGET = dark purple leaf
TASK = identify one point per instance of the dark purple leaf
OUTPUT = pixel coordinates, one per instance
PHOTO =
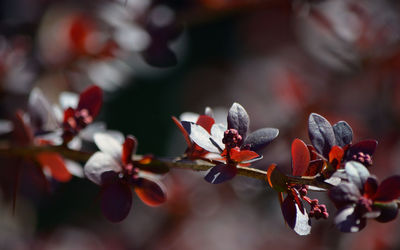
(300, 157)
(150, 192)
(276, 179)
(366, 147)
(296, 218)
(343, 133)
(344, 194)
(220, 173)
(159, 55)
(389, 189)
(116, 201)
(357, 173)
(261, 138)
(238, 119)
(321, 134)
(348, 221)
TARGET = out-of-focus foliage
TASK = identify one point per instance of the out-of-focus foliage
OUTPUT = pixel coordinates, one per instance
(281, 59)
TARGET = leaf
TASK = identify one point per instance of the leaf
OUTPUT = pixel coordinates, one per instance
(128, 148)
(242, 155)
(41, 113)
(55, 163)
(347, 220)
(336, 156)
(91, 99)
(206, 122)
(5, 127)
(217, 134)
(343, 133)
(388, 211)
(366, 147)
(261, 138)
(150, 192)
(357, 173)
(116, 201)
(200, 136)
(109, 145)
(220, 173)
(159, 55)
(388, 190)
(98, 164)
(183, 131)
(296, 218)
(321, 134)
(300, 157)
(314, 167)
(276, 179)
(22, 133)
(238, 119)
(344, 194)
(370, 187)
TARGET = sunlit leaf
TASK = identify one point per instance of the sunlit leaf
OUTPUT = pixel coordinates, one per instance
(206, 122)
(150, 192)
(55, 163)
(296, 217)
(107, 144)
(200, 136)
(348, 221)
(242, 155)
(98, 164)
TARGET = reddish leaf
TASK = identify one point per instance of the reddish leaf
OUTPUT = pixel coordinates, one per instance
(314, 167)
(242, 155)
(388, 190)
(56, 165)
(22, 133)
(151, 193)
(220, 173)
(91, 99)
(336, 156)
(206, 122)
(68, 113)
(370, 187)
(116, 201)
(183, 131)
(313, 153)
(128, 148)
(300, 157)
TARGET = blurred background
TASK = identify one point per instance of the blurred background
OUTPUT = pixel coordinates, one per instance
(280, 59)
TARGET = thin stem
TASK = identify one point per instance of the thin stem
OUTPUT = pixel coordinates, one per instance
(179, 163)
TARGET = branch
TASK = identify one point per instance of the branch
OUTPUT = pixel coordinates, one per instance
(179, 163)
